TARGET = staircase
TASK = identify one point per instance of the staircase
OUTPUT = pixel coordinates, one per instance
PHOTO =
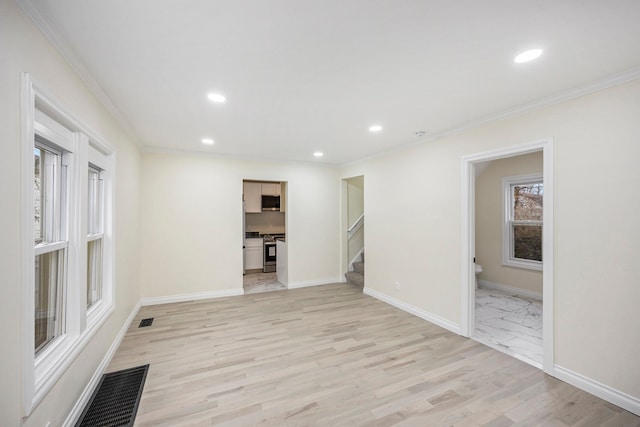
(356, 277)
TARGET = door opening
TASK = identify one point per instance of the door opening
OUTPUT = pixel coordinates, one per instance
(470, 166)
(264, 236)
(353, 231)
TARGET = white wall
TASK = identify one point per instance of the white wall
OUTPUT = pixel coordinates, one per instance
(489, 226)
(355, 208)
(192, 222)
(413, 203)
(24, 49)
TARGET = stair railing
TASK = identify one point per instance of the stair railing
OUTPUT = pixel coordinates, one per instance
(351, 231)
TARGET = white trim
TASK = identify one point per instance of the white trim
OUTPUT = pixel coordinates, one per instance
(319, 282)
(243, 157)
(63, 48)
(425, 315)
(40, 373)
(27, 249)
(467, 300)
(191, 297)
(510, 289)
(603, 391)
(86, 394)
(97, 157)
(67, 53)
(44, 248)
(52, 131)
(559, 98)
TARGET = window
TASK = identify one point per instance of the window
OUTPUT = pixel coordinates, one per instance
(522, 240)
(68, 235)
(50, 244)
(95, 236)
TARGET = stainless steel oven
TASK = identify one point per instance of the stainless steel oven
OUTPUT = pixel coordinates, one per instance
(269, 257)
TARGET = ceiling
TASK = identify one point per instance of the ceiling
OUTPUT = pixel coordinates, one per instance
(302, 76)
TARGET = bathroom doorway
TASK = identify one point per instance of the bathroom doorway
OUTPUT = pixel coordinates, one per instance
(512, 309)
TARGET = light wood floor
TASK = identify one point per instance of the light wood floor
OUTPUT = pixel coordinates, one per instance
(331, 356)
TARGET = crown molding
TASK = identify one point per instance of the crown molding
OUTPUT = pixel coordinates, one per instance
(557, 98)
(239, 157)
(60, 44)
(64, 49)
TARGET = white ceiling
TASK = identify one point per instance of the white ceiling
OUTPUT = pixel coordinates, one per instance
(303, 76)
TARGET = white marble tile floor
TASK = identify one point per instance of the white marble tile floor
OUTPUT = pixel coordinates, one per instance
(510, 323)
(257, 281)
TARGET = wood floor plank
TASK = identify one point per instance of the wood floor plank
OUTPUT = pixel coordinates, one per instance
(331, 356)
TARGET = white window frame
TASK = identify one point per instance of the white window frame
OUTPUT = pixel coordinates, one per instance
(43, 116)
(507, 220)
(98, 162)
(54, 226)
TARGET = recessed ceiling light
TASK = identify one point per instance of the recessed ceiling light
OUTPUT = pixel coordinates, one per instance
(217, 98)
(375, 128)
(318, 154)
(207, 141)
(528, 55)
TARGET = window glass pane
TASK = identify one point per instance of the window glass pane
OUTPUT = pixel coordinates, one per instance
(527, 242)
(47, 298)
(38, 194)
(527, 201)
(94, 271)
(46, 192)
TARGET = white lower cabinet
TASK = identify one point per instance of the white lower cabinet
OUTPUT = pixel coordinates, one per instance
(253, 254)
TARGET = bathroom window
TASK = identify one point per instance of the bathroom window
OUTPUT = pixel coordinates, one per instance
(523, 209)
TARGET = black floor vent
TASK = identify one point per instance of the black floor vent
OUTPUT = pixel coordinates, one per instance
(145, 322)
(115, 400)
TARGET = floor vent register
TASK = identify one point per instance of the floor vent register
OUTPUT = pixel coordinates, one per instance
(115, 401)
(145, 322)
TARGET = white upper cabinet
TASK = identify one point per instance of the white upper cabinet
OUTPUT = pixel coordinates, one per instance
(252, 197)
(283, 196)
(270, 188)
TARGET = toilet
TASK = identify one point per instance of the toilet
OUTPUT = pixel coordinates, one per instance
(478, 271)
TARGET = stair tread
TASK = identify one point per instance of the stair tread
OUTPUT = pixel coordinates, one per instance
(355, 278)
(359, 267)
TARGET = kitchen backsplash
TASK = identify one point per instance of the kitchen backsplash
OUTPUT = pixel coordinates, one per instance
(265, 222)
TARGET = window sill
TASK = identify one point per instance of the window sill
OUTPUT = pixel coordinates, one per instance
(527, 265)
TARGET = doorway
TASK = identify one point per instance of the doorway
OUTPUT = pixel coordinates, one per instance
(353, 231)
(264, 221)
(470, 165)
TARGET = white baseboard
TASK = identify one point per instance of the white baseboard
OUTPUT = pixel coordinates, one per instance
(82, 401)
(509, 289)
(191, 297)
(307, 283)
(623, 400)
(437, 320)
